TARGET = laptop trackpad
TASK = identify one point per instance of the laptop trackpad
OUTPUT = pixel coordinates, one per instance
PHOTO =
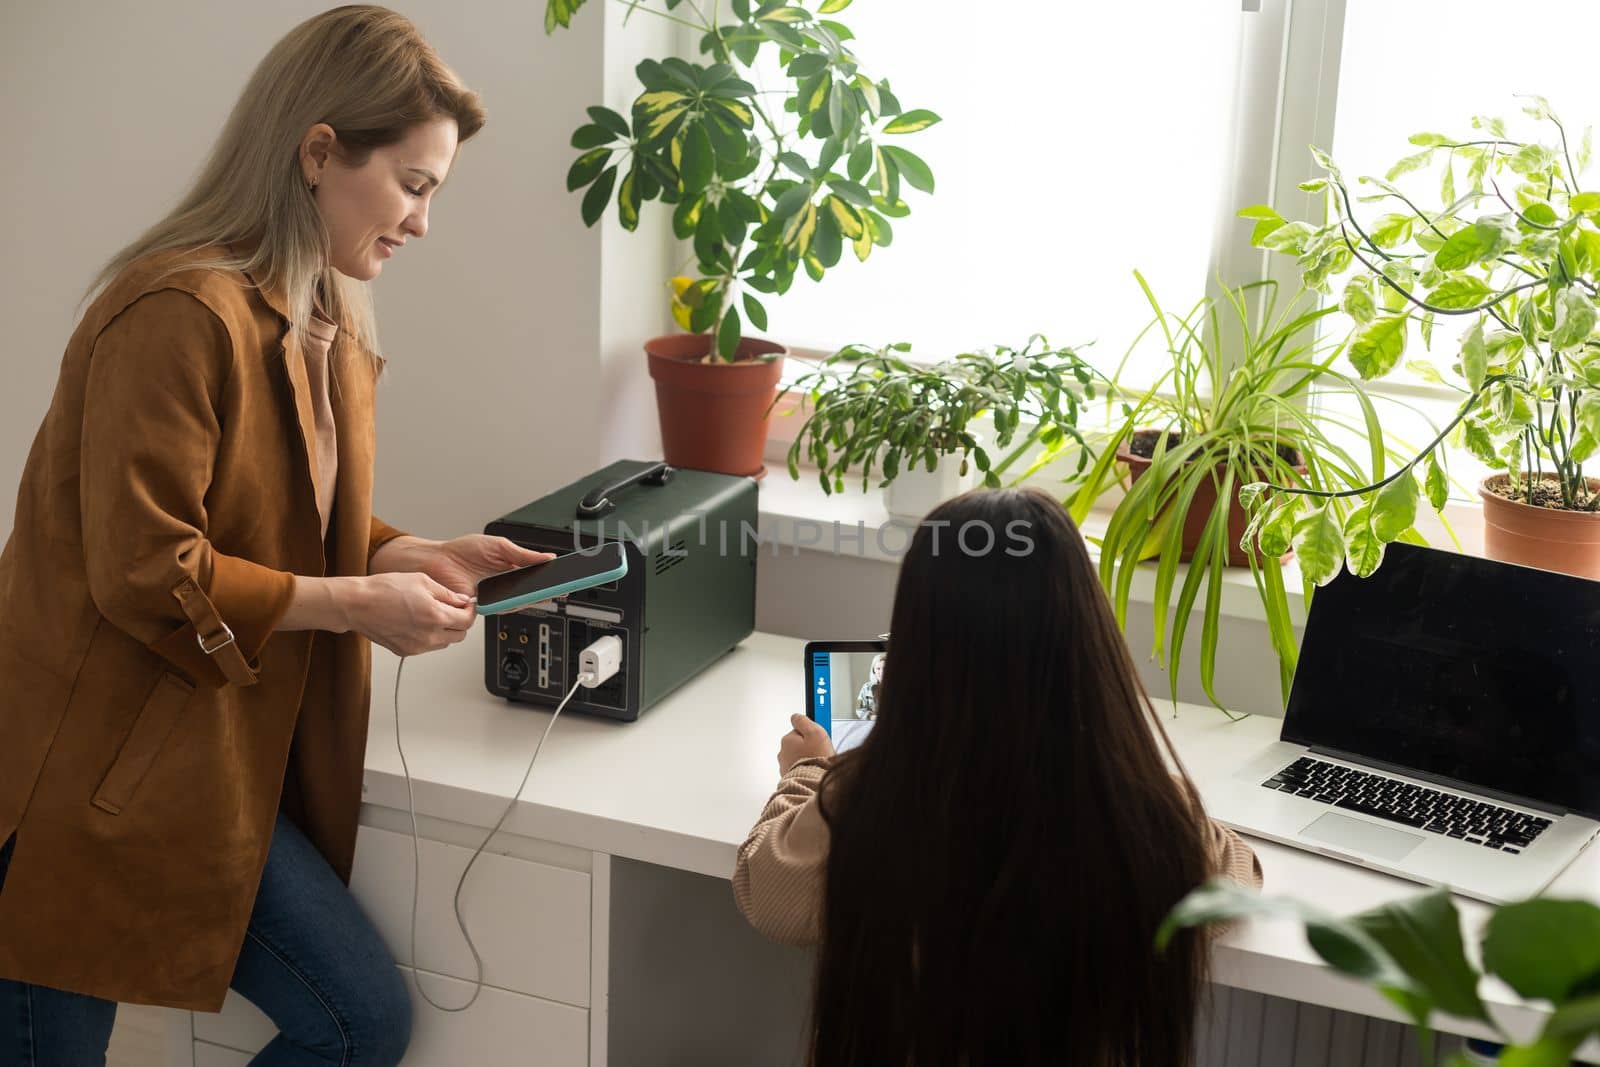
(1364, 837)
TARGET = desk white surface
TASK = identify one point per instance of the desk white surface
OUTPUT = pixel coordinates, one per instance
(682, 786)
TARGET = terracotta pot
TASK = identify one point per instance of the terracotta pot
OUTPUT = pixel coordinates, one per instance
(1547, 538)
(714, 415)
(1200, 508)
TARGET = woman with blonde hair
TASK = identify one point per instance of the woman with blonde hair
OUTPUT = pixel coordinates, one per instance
(195, 574)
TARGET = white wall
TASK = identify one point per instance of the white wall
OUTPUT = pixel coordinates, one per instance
(512, 332)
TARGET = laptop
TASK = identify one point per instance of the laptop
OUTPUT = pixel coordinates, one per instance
(1443, 725)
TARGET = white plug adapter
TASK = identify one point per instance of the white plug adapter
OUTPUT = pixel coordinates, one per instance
(599, 661)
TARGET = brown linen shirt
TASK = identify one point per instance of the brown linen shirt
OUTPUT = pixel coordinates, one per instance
(781, 870)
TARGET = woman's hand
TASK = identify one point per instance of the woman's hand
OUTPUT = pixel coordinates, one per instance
(462, 562)
(457, 564)
(408, 613)
(806, 740)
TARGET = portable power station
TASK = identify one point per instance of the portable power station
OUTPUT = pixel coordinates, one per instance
(689, 595)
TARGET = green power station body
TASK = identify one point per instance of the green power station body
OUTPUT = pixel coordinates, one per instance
(689, 595)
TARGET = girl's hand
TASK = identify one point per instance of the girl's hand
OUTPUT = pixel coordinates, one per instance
(806, 740)
(460, 563)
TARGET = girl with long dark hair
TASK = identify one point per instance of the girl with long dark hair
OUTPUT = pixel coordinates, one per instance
(985, 874)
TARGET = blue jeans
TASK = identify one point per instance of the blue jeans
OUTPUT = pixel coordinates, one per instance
(310, 960)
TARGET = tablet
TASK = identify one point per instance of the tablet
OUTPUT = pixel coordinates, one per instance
(844, 680)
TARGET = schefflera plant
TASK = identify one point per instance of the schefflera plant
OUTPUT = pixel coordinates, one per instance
(761, 191)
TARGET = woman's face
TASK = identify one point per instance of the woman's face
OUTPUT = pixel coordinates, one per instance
(373, 209)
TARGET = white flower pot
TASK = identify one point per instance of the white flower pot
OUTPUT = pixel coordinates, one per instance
(914, 493)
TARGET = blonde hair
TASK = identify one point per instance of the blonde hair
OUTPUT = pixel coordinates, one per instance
(365, 71)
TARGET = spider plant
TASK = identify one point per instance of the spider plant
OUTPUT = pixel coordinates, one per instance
(1237, 404)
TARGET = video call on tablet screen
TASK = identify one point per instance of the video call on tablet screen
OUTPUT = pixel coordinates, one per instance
(844, 687)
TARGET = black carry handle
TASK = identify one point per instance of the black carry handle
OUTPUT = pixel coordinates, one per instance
(598, 502)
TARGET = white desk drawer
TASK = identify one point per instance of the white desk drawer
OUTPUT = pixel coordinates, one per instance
(530, 921)
(499, 1028)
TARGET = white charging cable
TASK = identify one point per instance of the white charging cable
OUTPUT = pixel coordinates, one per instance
(596, 664)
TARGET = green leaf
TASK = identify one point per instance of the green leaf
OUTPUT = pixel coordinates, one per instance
(1422, 934)
(604, 116)
(850, 222)
(1531, 160)
(1319, 544)
(1363, 549)
(728, 334)
(755, 312)
(1277, 531)
(797, 163)
(1357, 302)
(831, 6)
(592, 136)
(1474, 356)
(1392, 229)
(1437, 487)
(1377, 347)
(790, 202)
(1575, 319)
(699, 159)
(1430, 140)
(808, 66)
(1394, 509)
(1544, 949)
(559, 13)
(629, 199)
(1479, 443)
(1290, 238)
(598, 196)
(827, 243)
(912, 168)
(1259, 211)
(860, 161)
(1425, 370)
(587, 167)
(1409, 164)
(852, 192)
(727, 139)
(1541, 213)
(1459, 291)
(1467, 246)
(911, 121)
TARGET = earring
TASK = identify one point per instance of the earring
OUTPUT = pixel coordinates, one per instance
(312, 185)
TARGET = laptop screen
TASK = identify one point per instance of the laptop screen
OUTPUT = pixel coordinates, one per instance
(1457, 667)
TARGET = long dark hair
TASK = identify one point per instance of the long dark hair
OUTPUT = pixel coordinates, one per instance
(1006, 842)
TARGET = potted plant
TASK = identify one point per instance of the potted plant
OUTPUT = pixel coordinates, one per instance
(1412, 952)
(917, 425)
(1514, 258)
(1234, 408)
(764, 185)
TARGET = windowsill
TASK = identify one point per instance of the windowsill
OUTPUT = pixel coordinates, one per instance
(852, 524)
(797, 515)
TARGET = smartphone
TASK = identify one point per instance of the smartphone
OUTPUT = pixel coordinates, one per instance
(844, 681)
(584, 569)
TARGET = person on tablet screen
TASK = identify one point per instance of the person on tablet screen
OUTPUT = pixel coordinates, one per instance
(990, 865)
(867, 698)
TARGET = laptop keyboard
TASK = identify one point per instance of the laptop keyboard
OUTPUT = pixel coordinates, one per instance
(1473, 821)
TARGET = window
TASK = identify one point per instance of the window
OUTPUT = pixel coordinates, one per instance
(1079, 141)
(1430, 66)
